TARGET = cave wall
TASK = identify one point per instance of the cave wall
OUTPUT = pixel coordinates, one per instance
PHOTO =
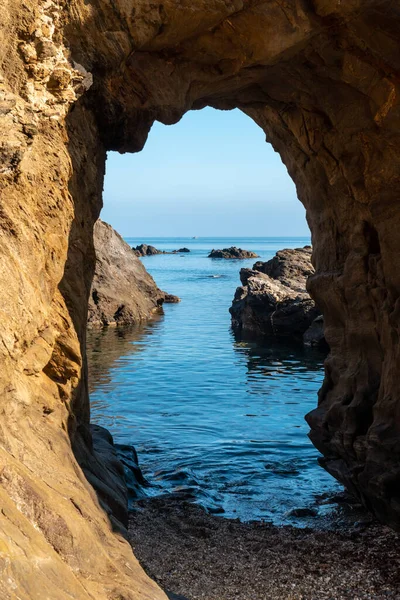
(321, 77)
(56, 540)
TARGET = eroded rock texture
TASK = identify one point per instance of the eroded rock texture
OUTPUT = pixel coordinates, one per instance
(292, 267)
(273, 301)
(321, 77)
(123, 292)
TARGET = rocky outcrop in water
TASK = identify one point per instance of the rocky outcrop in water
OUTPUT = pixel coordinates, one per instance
(171, 299)
(122, 291)
(147, 250)
(273, 300)
(232, 252)
(79, 79)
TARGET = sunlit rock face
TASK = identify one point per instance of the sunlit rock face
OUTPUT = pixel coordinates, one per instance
(272, 301)
(122, 292)
(321, 77)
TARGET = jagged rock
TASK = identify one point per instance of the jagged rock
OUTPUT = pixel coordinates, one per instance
(232, 252)
(322, 79)
(122, 291)
(292, 267)
(273, 300)
(180, 250)
(146, 250)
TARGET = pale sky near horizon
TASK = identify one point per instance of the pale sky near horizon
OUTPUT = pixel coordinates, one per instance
(211, 174)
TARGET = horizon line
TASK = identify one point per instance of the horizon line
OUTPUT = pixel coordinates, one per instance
(221, 237)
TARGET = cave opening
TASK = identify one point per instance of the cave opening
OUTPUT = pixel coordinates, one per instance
(79, 79)
(214, 413)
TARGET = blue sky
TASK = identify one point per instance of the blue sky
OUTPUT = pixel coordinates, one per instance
(211, 174)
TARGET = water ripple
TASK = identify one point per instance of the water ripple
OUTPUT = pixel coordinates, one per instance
(216, 418)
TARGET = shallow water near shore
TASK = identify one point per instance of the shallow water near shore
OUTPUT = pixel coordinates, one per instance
(218, 420)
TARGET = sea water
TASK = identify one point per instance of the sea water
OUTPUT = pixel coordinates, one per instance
(212, 417)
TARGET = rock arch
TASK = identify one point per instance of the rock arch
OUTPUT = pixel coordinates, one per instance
(321, 77)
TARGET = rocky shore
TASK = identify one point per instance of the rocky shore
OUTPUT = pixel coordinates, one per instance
(273, 300)
(203, 557)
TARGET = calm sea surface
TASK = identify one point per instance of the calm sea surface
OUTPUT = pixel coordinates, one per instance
(218, 419)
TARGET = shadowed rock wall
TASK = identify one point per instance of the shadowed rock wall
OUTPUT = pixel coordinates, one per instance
(321, 77)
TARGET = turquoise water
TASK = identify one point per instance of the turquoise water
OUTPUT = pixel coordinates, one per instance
(212, 417)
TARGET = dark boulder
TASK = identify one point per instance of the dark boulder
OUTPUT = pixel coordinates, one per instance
(146, 250)
(232, 252)
(171, 299)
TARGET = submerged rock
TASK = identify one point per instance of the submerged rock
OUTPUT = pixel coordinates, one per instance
(232, 252)
(301, 512)
(123, 292)
(273, 300)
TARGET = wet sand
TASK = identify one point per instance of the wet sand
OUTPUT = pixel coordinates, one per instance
(204, 557)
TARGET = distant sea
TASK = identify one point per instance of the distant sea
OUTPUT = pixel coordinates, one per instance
(217, 419)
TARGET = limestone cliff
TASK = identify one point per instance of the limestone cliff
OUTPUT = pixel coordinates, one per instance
(321, 78)
(122, 291)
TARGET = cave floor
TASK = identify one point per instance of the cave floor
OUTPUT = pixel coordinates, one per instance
(200, 556)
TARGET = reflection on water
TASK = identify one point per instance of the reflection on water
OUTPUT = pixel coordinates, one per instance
(106, 347)
(220, 420)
